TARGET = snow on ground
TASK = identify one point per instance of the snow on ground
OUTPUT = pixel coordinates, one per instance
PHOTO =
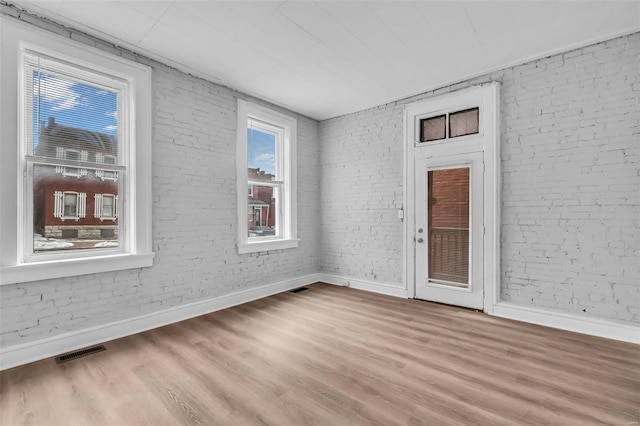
(107, 244)
(42, 243)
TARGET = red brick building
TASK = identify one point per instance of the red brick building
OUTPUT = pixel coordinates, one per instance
(76, 202)
(262, 210)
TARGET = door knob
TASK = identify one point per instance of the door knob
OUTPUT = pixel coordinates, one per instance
(420, 240)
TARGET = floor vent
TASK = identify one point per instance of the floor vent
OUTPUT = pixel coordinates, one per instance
(298, 290)
(77, 354)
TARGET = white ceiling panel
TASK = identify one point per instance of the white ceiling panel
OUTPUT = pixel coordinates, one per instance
(361, 20)
(218, 53)
(128, 23)
(536, 26)
(258, 26)
(328, 58)
(454, 30)
(406, 22)
(595, 17)
(494, 28)
(324, 27)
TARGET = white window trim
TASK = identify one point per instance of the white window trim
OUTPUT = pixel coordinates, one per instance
(288, 214)
(136, 248)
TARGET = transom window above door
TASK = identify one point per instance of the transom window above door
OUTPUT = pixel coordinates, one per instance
(450, 125)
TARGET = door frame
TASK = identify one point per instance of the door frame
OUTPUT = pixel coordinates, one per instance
(487, 98)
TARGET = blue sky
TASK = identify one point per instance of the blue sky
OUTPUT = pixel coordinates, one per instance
(261, 150)
(73, 104)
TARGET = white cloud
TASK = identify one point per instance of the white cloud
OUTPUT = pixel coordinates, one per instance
(57, 91)
(266, 159)
(110, 127)
(113, 114)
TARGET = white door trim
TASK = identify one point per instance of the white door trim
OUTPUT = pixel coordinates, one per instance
(487, 97)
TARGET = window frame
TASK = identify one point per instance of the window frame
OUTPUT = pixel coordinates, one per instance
(286, 219)
(65, 171)
(18, 262)
(98, 211)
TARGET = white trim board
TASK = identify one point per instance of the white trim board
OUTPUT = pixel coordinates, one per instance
(13, 356)
(357, 283)
(569, 322)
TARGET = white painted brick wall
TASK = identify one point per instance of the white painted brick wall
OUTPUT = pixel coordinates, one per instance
(571, 231)
(571, 184)
(194, 219)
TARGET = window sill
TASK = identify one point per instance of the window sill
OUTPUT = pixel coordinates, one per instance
(27, 272)
(257, 246)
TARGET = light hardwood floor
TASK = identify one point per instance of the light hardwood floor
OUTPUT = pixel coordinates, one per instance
(335, 356)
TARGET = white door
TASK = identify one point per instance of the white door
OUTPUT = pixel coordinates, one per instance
(449, 229)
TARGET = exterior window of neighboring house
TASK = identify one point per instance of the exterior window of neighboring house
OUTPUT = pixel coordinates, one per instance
(76, 143)
(106, 206)
(69, 205)
(72, 155)
(106, 159)
(266, 153)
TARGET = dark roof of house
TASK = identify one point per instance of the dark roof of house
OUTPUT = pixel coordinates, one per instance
(58, 135)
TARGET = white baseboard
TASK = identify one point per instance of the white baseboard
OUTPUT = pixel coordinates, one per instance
(13, 356)
(563, 321)
(585, 325)
(388, 289)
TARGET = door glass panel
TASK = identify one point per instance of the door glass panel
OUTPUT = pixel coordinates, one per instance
(448, 219)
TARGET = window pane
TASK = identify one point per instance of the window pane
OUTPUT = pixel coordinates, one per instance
(107, 206)
(73, 212)
(262, 208)
(70, 205)
(463, 122)
(69, 114)
(261, 155)
(433, 129)
(448, 195)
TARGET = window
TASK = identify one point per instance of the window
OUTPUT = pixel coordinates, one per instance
(464, 123)
(266, 154)
(83, 117)
(69, 205)
(106, 159)
(106, 206)
(452, 125)
(433, 129)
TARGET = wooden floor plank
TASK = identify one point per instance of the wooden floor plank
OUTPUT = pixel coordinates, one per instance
(332, 355)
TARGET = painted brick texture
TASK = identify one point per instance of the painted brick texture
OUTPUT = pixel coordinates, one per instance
(570, 197)
(194, 220)
(570, 142)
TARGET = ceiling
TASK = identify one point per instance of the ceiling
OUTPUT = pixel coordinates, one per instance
(329, 58)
